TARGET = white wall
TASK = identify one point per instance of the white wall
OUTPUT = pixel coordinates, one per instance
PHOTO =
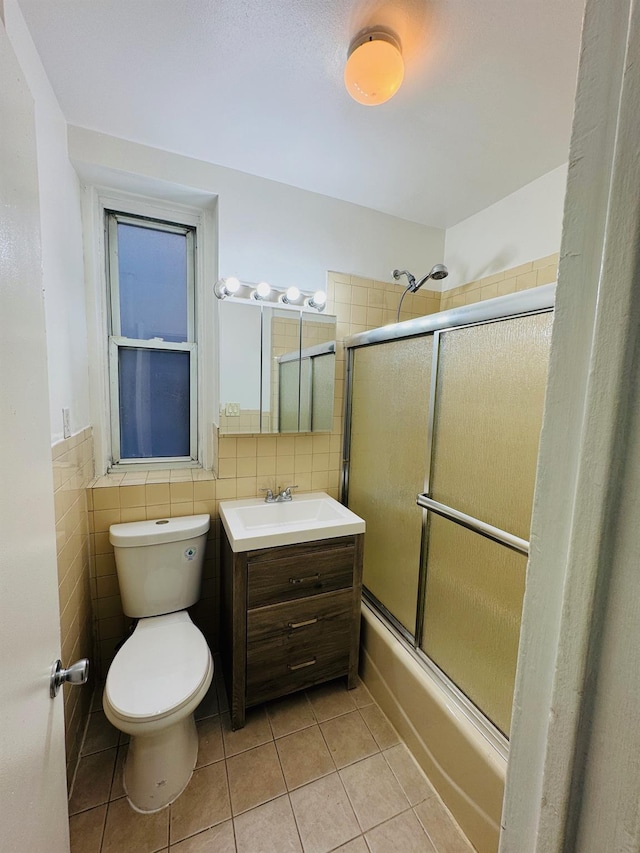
(521, 227)
(62, 259)
(268, 230)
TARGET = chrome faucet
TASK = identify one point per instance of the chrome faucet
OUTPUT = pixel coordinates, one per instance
(282, 496)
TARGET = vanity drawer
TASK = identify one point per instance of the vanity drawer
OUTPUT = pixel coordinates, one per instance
(302, 619)
(282, 665)
(300, 572)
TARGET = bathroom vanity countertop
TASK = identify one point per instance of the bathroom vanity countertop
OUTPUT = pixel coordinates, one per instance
(252, 523)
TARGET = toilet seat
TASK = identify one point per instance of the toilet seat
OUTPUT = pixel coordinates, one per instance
(159, 669)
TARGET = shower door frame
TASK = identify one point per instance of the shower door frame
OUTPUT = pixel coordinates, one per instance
(525, 303)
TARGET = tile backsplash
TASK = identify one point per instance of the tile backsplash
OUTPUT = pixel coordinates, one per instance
(72, 461)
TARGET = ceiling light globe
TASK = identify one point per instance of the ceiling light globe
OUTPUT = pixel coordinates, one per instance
(374, 69)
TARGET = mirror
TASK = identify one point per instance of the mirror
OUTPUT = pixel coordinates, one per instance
(277, 368)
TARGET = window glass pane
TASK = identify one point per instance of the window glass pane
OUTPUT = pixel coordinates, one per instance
(152, 273)
(154, 403)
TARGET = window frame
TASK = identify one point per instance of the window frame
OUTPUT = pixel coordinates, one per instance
(117, 341)
(165, 201)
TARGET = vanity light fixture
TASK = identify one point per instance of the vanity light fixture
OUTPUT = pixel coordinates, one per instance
(226, 287)
(292, 294)
(317, 301)
(374, 69)
(292, 297)
(262, 291)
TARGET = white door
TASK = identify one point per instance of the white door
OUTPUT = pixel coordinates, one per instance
(33, 803)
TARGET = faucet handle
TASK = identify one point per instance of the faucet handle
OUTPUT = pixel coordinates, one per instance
(287, 491)
(269, 495)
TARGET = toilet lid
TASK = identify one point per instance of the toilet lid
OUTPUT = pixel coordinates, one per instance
(158, 669)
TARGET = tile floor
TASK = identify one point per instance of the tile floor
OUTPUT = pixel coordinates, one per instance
(316, 772)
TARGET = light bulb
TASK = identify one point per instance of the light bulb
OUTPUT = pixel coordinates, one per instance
(317, 301)
(231, 285)
(292, 295)
(262, 290)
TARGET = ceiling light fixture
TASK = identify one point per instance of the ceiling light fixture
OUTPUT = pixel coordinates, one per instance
(374, 68)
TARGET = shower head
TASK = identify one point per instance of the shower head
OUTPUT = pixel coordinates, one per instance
(437, 272)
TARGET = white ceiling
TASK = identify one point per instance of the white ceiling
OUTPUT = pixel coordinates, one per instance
(485, 106)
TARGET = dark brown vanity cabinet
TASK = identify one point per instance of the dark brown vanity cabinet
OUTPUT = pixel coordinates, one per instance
(290, 618)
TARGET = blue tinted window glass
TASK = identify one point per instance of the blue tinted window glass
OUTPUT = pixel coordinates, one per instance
(152, 272)
(154, 403)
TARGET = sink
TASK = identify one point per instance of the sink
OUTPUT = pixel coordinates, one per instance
(252, 523)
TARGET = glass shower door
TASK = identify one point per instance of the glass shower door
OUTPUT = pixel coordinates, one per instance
(387, 468)
(487, 420)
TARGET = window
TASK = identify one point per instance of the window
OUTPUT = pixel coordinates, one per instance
(152, 340)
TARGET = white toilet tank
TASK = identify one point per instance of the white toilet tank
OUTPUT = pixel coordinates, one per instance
(159, 563)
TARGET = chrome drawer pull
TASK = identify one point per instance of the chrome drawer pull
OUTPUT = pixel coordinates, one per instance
(315, 577)
(303, 624)
(293, 666)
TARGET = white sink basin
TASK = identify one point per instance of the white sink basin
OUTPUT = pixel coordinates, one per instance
(252, 523)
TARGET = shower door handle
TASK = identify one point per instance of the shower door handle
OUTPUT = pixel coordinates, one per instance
(474, 524)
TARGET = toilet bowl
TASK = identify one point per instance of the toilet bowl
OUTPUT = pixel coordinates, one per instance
(164, 669)
(155, 683)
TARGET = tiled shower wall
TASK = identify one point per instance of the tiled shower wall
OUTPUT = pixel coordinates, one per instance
(72, 461)
(523, 277)
(245, 464)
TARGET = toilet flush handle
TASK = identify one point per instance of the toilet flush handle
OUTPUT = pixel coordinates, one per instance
(78, 673)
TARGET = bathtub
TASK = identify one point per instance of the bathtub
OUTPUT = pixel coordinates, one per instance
(465, 768)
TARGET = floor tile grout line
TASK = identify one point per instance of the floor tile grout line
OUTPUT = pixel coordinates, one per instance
(353, 764)
(371, 730)
(295, 822)
(397, 778)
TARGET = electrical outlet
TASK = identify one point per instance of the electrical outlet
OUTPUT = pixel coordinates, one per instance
(232, 410)
(66, 423)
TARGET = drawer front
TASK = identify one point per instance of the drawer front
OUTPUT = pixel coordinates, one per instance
(289, 577)
(297, 657)
(299, 620)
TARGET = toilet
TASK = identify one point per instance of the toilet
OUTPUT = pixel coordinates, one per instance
(164, 669)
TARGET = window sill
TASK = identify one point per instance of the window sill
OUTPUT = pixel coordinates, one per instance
(141, 478)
